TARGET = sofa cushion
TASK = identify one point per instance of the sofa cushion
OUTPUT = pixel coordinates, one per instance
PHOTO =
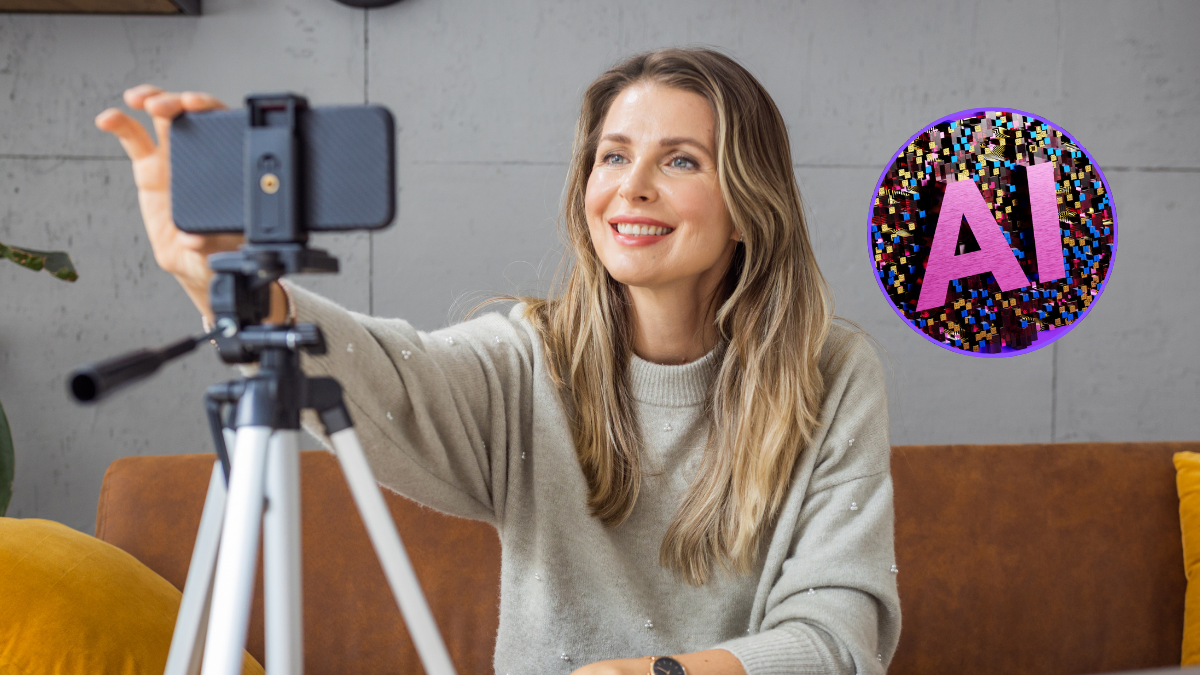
(1187, 474)
(75, 604)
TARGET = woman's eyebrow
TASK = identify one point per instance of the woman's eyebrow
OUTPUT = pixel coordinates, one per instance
(684, 140)
(622, 139)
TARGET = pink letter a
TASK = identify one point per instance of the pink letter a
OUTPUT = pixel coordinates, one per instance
(963, 199)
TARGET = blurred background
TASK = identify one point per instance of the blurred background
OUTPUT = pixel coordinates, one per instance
(485, 96)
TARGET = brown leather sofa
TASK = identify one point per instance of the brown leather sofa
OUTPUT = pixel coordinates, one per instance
(1030, 559)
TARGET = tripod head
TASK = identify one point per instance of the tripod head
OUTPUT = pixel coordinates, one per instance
(240, 295)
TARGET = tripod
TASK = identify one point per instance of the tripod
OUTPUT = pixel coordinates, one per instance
(259, 416)
(263, 479)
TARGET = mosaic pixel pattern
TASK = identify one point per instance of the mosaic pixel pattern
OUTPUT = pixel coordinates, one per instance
(993, 149)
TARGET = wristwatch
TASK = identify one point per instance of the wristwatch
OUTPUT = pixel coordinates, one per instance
(665, 665)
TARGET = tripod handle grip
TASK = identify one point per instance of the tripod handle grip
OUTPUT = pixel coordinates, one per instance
(94, 381)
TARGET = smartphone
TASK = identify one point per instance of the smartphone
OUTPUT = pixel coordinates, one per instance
(347, 169)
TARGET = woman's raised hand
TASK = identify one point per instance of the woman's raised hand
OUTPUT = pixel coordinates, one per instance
(180, 253)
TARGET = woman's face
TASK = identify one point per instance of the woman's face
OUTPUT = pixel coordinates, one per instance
(654, 206)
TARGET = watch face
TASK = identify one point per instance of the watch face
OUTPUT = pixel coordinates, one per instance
(665, 665)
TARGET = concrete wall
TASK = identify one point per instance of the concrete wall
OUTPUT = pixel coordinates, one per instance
(485, 95)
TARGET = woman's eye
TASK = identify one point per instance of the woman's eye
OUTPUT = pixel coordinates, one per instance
(682, 163)
(613, 158)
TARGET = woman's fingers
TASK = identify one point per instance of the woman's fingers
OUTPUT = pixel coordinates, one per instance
(135, 97)
(163, 104)
(163, 108)
(168, 104)
(198, 101)
(132, 135)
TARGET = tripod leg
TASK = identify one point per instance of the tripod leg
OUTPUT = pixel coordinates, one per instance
(396, 565)
(187, 643)
(234, 584)
(283, 591)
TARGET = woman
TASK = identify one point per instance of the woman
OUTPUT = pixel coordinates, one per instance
(681, 454)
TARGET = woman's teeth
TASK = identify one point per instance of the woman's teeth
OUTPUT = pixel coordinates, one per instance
(641, 230)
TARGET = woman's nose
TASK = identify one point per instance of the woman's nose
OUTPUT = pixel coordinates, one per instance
(638, 185)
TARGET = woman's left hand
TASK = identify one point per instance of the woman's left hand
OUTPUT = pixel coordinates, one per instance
(616, 667)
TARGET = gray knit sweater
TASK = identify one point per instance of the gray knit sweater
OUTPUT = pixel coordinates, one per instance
(466, 420)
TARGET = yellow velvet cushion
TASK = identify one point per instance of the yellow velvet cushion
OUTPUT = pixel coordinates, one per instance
(70, 603)
(1187, 479)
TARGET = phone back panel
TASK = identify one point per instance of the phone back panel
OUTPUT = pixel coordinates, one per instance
(348, 169)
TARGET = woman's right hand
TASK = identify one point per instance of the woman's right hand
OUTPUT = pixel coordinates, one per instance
(180, 253)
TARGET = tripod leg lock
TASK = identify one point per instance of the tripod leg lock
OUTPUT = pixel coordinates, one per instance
(216, 425)
(325, 396)
(218, 400)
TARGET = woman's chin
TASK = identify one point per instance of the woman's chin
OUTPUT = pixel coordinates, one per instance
(635, 278)
(645, 280)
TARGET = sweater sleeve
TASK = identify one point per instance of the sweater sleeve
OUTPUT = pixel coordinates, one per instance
(833, 606)
(438, 414)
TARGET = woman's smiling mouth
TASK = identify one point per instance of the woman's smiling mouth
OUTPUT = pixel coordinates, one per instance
(641, 230)
(638, 230)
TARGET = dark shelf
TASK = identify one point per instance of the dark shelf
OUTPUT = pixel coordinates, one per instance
(181, 7)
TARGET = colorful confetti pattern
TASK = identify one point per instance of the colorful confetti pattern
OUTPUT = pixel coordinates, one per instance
(990, 148)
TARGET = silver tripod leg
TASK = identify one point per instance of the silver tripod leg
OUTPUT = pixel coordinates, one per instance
(396, 565)
(234, 583)
(283, 592)
(187, 643)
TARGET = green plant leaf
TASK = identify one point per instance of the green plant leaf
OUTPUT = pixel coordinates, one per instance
(57, 263)
(6, 462)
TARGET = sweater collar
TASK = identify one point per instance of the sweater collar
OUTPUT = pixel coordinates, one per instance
(675, 386)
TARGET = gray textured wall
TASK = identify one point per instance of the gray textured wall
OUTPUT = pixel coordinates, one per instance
(485, 95)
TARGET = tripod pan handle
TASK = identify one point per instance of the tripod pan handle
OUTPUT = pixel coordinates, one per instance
(94, 381)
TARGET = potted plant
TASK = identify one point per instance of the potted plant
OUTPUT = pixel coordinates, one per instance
(58, 264)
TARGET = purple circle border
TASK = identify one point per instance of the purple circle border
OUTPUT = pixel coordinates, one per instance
(1005, 351)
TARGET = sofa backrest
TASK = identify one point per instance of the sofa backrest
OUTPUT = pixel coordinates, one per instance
(1057, 559)
(1052, 559)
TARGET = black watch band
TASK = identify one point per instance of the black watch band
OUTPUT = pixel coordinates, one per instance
(665, 665)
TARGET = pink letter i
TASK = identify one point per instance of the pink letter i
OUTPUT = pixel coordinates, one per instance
(1047, 237)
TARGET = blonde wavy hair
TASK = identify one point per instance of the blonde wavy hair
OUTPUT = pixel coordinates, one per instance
(773, 315)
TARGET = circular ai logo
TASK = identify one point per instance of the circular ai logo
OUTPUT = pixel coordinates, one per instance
(992, 232)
